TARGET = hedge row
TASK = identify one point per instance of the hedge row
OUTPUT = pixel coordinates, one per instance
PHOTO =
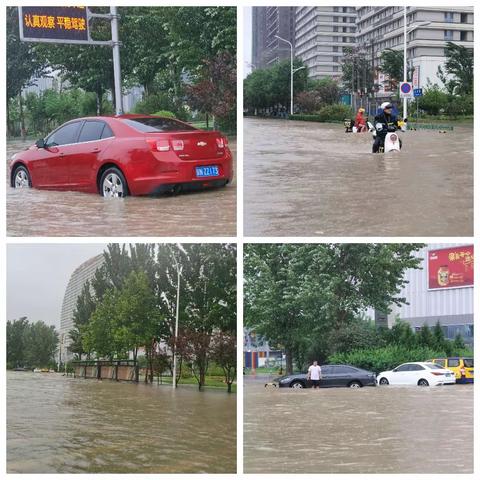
(379, 359)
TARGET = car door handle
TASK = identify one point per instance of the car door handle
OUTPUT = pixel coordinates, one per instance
(95, 150)
(62, 154)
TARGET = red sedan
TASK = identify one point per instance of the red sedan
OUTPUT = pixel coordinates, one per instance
(122, 155)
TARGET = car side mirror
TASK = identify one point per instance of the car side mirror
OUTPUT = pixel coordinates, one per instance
(40, 143)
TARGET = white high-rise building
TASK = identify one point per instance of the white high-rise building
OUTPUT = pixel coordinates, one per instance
(430, 28)
(80, 276)
(321, 36)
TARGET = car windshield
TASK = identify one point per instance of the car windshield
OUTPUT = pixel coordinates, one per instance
(468, 362)
(157, 125)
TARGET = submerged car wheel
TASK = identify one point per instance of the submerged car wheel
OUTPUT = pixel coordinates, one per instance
(21, 178)
(423, 383)
(355, 384)
(297, 385)
(383, 381)
(113, 184)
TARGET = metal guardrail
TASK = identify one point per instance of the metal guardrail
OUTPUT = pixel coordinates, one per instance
(429, 126)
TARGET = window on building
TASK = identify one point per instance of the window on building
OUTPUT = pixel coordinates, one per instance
(448, 35)
(463, 36)
(335, 29)
(449, 17)
(464, 18)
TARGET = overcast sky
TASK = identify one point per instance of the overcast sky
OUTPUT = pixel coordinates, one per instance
(247, 40)
(37, 275)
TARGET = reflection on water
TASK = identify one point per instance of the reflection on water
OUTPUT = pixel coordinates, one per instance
(306, 178)
(58, 424)
(367, 430)
(45, 213)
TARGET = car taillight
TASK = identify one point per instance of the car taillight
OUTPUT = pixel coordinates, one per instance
(437, 373)
(159, 145)
(220, 142)
(178, 145)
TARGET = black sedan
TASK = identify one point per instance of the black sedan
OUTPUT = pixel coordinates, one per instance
(332, 376)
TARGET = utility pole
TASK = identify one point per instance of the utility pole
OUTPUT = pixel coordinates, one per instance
(116, 62)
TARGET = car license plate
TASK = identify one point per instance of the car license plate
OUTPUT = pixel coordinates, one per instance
(211, 171)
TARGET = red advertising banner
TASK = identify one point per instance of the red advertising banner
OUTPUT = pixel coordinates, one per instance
(450, 267)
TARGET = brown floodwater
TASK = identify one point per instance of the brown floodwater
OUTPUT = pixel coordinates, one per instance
(311, 179)
(367, 430)
(32, 212)
(65, 425)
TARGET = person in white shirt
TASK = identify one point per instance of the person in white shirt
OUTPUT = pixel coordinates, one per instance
(314, 374)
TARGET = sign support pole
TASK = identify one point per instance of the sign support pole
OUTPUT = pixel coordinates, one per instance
(116, 62)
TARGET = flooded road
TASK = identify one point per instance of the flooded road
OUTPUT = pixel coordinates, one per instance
(66, 425)
(33, 212)
(310, 179)
(367, 430)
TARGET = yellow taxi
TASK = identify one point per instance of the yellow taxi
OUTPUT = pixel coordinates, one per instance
(462, 366)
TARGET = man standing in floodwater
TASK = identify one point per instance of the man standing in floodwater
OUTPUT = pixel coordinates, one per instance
(314, 374)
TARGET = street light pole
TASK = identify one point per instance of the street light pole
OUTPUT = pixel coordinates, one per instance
(116, 62)
(291, 71)
(177, 310)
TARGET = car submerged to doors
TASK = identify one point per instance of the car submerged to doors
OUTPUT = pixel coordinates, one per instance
(423, 374)
(332, 376)
(126, 154)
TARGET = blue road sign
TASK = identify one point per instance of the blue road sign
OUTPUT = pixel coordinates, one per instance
(417, 92)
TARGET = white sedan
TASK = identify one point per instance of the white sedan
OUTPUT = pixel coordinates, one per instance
(423, 374)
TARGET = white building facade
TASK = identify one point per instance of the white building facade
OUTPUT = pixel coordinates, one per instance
(85, 272)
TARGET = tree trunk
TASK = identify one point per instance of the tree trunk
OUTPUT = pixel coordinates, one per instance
(229, 387)
(9, 126)
(206, 119)
(98, 98)
(23, 132)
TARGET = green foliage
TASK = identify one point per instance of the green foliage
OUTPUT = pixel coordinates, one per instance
(30, 344)
(155, 102)
(165, 113)
(164, 49)
(265, 88)
(336, 112)
(299, 296)
(132, 304)
(457, 72)
(384, 358)
(391, 64)
(329, 113)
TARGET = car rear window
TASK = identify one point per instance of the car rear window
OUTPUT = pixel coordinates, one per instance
(434, 366)
(157, 125)
(468, 362)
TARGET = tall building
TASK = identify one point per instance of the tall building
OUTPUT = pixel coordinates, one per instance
(80, 276)
(266, 23)
(321, 36)
(441, 291)
(429, 29)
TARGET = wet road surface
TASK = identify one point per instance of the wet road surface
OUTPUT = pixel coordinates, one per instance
(32, 212)
(367, 430)
(66, 425)
(312, 179)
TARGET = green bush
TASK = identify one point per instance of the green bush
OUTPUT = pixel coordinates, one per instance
(330, 113)
(336, 112)
(165, 113)
(385, 358)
